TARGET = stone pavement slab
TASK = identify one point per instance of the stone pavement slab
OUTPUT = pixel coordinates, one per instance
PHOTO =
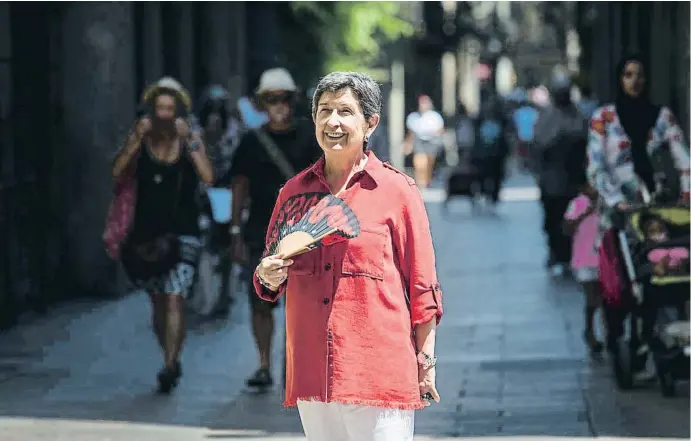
(511, 361)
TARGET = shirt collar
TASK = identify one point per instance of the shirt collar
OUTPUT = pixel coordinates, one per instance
(372, 168)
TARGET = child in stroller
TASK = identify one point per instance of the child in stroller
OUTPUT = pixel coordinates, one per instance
(665, 261)
(656, 253)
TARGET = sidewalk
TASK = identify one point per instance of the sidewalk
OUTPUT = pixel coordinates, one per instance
(511, 360)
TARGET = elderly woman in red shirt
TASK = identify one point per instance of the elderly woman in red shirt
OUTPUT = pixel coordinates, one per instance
(361, 314)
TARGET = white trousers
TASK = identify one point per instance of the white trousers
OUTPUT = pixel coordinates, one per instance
(349, 422)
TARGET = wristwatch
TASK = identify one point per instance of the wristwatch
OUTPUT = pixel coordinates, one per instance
(264, 283)
(425, 360)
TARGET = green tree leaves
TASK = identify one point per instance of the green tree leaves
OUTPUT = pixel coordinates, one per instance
(350, 34)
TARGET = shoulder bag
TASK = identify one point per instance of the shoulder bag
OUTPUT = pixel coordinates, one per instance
(275, 154)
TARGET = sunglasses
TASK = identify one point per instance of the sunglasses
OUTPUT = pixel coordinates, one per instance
(277, 99)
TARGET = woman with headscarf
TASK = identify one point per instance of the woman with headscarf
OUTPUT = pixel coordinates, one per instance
(623, 138)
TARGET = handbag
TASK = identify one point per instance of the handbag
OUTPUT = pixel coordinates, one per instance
(611, 279)
(153, 258)
(120, 214)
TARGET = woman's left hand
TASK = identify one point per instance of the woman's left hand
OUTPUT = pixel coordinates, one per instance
(427, 379)
(182, 127)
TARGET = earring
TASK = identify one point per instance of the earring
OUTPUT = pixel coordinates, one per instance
(365, 142)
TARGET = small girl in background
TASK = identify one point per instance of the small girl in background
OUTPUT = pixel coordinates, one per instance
(581, 222)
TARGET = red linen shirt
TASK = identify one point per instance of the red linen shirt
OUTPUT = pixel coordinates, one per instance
(351, 307)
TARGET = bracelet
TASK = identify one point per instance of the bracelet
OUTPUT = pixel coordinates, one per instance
(265, 284)
(425, 360)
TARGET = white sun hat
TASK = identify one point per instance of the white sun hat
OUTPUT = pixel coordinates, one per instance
(168, 83)
(276, 79)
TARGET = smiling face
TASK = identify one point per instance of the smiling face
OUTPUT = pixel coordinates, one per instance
(340, 124)
(633, 79)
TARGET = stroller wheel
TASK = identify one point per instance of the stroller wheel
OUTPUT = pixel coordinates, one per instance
(667, 383)
(622, 364)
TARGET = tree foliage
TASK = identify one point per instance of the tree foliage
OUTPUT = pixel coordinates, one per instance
(350, 34)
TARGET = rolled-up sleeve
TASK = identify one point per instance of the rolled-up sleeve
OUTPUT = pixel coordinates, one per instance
(263, 292)
(415, 252)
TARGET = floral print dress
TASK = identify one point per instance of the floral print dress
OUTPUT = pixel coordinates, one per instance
(610, 160)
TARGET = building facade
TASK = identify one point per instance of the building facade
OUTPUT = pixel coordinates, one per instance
(659, 31)
(70, 77)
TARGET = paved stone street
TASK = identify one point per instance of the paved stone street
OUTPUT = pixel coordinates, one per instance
(511, 360)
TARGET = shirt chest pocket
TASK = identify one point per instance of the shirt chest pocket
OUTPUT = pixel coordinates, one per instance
(364, 255)
(304, 264)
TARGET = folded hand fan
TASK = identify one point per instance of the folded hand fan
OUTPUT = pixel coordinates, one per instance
(327, 222)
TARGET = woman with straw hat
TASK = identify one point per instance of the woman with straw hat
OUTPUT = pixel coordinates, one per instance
(166, 161)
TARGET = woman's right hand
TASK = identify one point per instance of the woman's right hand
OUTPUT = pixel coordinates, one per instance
(143, 127)
(273, 270)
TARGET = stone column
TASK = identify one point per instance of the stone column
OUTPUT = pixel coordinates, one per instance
(152, 42)
(237, 82)
(98, 103)
(616, 31)
(682, 64)
(217, 19)
(263, 39)
(603, 71)
(660, 59)
(186, 46)
(5, 90)
(8, 312)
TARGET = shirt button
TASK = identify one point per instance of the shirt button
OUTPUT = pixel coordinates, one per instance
(326, 301)
(327, 266)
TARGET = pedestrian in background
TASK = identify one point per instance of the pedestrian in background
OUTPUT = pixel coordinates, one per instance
(361, 314)
(167, 162)
(581, 223)
(214, 123)
(560, 136)
(212, 293)
(624, 137)
(491, 149)
(587, 104)
(265, 159)
(465, 132)
(425, 139)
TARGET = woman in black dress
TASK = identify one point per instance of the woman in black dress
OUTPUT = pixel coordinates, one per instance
(168, 162)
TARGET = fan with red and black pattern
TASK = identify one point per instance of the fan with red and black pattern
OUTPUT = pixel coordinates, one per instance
(329, 221)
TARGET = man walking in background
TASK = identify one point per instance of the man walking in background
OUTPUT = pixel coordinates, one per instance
(265, 159)
(560, 138)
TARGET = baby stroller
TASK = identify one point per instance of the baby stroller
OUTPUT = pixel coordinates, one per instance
(654, 242)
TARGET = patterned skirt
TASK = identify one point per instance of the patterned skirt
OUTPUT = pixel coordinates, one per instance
(180, 278)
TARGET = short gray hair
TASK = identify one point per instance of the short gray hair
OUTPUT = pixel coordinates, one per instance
(365, 89)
